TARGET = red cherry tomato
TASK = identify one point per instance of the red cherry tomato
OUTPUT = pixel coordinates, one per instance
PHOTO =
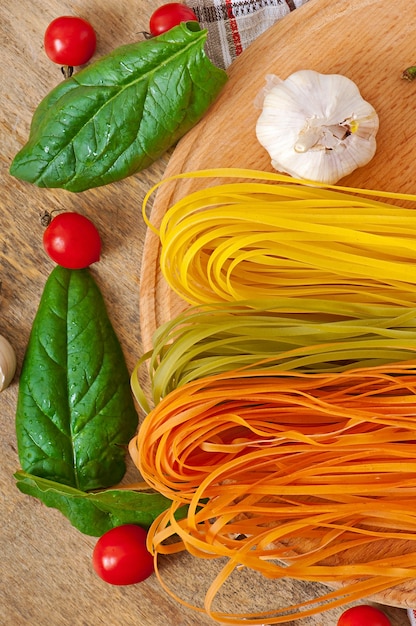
(70, 41)
(363, 615)
(120, 556)
(72, 240)
(169, 15)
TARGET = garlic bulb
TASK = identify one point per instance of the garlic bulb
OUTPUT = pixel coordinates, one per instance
(7, 363)
(316, 126)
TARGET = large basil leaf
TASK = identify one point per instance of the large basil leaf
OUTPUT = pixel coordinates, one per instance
(75, 412)
(121, 113)
(95, 513)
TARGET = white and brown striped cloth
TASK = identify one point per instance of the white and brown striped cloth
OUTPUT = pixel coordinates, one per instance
(233, 25)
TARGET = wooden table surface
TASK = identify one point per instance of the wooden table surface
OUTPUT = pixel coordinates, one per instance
(46, 576)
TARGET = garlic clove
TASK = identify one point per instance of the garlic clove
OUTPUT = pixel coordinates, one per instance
(316, 126)
(7, 363)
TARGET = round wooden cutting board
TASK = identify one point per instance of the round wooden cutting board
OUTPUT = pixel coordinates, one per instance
(371, 42)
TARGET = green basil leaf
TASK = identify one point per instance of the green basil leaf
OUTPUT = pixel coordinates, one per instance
(95, 513)
(120, 114)
(75, 412)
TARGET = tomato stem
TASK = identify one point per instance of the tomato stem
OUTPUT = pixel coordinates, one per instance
(46, 217)
(67, 70)
(410, 73)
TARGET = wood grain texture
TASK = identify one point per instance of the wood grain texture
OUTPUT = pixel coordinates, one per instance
(45, 575)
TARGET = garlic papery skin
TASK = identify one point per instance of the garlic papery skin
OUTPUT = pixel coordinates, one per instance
(7, 363)
(316, 126)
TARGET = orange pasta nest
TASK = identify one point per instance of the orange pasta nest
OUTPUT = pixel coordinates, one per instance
(287, 473)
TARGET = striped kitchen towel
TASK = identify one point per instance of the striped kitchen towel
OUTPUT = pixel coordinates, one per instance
(233, 25)
(412, 616)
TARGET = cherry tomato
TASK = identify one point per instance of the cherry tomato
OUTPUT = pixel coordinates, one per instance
(70, 41)
(363, 615)
(120, 556)
(72, 240)
(169, 15)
